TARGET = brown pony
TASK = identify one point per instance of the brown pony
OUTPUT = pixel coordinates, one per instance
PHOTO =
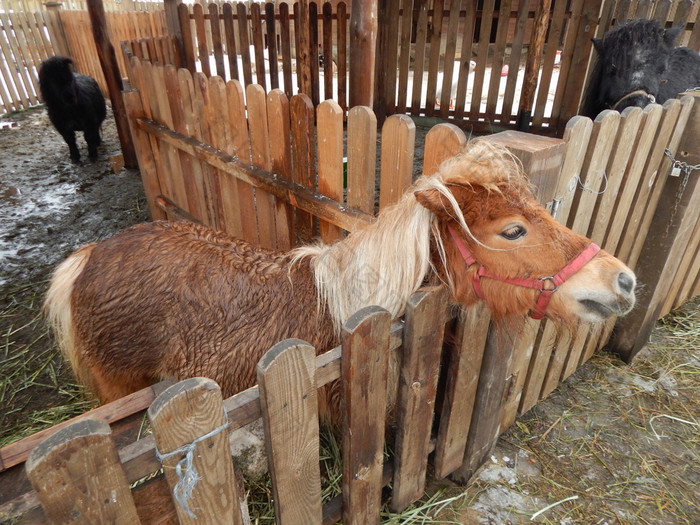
(176, 300)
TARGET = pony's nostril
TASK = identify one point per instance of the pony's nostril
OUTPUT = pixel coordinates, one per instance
(626, 282)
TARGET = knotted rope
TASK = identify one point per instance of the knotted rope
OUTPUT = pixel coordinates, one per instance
(186, 472)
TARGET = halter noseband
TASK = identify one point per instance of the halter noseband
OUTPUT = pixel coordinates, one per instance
(634, 93)
(537, 284)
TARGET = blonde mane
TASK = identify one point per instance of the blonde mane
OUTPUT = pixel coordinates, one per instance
(386, 262)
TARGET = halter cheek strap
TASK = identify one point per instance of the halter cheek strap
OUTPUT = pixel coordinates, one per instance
(537, 284)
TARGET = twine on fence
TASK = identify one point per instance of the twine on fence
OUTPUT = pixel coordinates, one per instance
(186, 472)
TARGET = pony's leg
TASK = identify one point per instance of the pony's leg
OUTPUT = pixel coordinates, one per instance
(69, 137)
(92, 137)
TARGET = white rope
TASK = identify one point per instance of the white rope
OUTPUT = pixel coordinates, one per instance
(186, 472)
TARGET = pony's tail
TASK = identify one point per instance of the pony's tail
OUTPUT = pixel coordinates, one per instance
(57, 309)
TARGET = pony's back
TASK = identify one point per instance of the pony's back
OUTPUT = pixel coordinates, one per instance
(173, 300)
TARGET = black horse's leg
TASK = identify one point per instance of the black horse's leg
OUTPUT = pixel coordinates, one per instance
(69, 136)
(92, 137)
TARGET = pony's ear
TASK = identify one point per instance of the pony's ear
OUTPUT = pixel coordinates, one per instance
(598, 45)
(672, 34)
(436, 202)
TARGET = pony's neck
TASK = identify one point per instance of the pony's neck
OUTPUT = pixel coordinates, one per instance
(382, 264)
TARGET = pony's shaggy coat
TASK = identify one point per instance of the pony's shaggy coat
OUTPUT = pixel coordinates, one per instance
(74, 103)
(176, 300)
(636, 61)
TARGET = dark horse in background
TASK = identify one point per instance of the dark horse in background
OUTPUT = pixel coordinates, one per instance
(74, 103)
(637, 65)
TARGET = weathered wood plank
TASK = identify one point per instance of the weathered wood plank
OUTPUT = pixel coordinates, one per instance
(288, 396)
(362, 158)
(420, 364)
(77, 476)
(329, 123)
(364, 365)
(399, 135)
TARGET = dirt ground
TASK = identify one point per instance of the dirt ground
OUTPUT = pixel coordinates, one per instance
(615, 444)
(48, 207)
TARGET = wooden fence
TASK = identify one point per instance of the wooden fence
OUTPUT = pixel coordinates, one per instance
(27, 38)
(435, 58)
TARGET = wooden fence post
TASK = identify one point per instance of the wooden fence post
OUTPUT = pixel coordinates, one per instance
(78, 477)
(364, 369)
(172, 23)
(289, 399)
(426, 314)
(363, 38)
(110, 68)
(674, 220)
(191, 434)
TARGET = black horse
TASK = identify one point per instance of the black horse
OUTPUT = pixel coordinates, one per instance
(74, 102)
(637, 65)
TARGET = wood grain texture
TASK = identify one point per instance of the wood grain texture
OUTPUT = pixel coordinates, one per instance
(288, 396)
(181, 416)
(78, 477)
(398, 144)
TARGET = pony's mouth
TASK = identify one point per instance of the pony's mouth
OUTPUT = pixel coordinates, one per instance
(603, 311)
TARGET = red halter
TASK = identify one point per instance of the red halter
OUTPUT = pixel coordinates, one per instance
(538, 284)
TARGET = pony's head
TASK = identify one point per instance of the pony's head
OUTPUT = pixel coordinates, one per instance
(496, 242)
(632, 60)
(56, 80)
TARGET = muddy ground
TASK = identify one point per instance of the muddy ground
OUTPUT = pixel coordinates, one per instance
(615, 444)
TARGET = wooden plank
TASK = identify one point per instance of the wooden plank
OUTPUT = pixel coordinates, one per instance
(669, 117)
(481, 56)
(651, 116)
(592, 178)
(187, 34)
(450, 53)
(434, 42)
(404, 58)
(260, 157)
(281, 163)
(303, 51)
(398, 142)
(517, 374)
(313, 53)
(329, 117)
(516, 49)
(183, 98)
(442, 142)
(362, 158)
(190, 431)
(422, 348)
(219, 137)
(342, 25)
(465, 60)
(258, 47)
(497, 58)
(485, 427)
(145, 153)
(230, 38)
(286, 46)
(244, 43)
(624, 144)
(303, 156)
(464, 359)
(76, 473)
(550, 52)
(271, 37)
(237, 195)
(288, 395)
(575, 82)
(201, 33)
(385, 83)
(419, 56)
(365, 366)
(217, 43)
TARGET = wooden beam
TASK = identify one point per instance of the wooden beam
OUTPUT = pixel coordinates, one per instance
(363, 41)
(110, 69)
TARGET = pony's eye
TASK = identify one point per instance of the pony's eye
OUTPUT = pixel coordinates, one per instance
(513, 232)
